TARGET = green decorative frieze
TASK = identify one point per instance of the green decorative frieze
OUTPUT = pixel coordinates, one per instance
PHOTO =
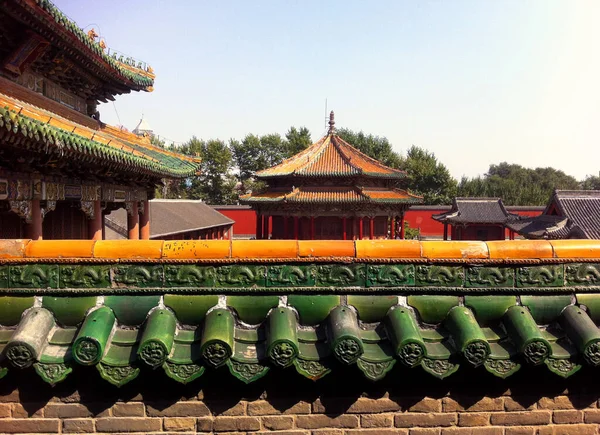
(341, 275)
(291, 276)
(485, 277)
(118, 375)
(189, 275)
(84, 276)
(40, 276)
(247, 372)
(312, 369)
(4, 272)
(52, 373)
(540, 276)
(502, 368)
(138, 275)
(587, 274)
(440, 368)
(241, 276)
(562, 367)
(183, 373)
(444, 276)
(375, 370)
(390, 275)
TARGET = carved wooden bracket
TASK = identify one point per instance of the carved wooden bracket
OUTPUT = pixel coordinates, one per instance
(23, 209)
(88, 208)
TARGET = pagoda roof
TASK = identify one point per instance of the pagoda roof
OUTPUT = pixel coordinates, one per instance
(328, 195)
(56, 27)
(331, 157)
(476, 211)
(45, 132)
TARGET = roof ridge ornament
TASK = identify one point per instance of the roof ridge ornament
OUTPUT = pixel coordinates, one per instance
(331, 123)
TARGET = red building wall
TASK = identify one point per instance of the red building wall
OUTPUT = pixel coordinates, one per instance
(417, 217)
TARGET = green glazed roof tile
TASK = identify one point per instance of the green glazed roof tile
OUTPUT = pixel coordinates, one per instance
(253, 309)
(12, 307)
(313, 310)
(69, 311)
(433, 309)
(372, 308)
(131, 310)
(546, 309)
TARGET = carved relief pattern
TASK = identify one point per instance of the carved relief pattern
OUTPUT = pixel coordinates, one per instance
(501, 367)
(247, 372)
(22, 208)
(86, 351)
(118, 375)
(341, 275)
(386, 275)
(216, 353)
(88, 208)
(153, 353)
(440, 368)
(347, 350)
(52, 373)
(582, 274)
(490, 277)
(20, 355)
(476, 352)
(189, 276)
(592, 353)
(34, 276)
(536, 352)
(411, 354)
(536, 276)
(138, 275)
(562, 367)
(311, 369)
(283, 354)
(241, 276)
(84, 276)
(439, 275)
(291, 276)
(375, 370)
(183, 373)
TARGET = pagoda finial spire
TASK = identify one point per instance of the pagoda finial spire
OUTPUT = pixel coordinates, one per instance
(331, 123)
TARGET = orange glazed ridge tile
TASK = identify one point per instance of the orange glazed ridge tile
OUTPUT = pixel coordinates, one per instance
(150, 249)
(60, 249)
(190, 249)
(326, 248)
(520, 249)
(576, 248)
(13, 248)
(264, 249)
(454, 249)
(388, 249)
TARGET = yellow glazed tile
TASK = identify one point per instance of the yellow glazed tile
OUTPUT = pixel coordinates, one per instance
(60, 249)
(328, 248)
(519, 249)
(388, 249)
(13, 248)
(454, 249)
(264, 249)
(190, 249)
(576, 248)
(128, 249)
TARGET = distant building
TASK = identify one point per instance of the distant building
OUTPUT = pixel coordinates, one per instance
(476, 219)
(143, 128)
(570, 214)
(331, 190)
(175, 219)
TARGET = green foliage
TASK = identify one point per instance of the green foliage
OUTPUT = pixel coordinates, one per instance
(377, 147)
(411, 233)
(591, 182)
(297, 140)
(517, 185)
(255, 153)
(428, 177)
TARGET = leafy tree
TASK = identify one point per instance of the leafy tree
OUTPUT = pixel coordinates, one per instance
(377, 147)
(591, 182)
(255, 153)
(428, 177)
(297, 140)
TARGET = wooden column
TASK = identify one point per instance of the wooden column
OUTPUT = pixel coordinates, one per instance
(371, 227)
(34, 229)
(445, 231)
(145, 222)
(259, 226)
(285, 227)
(266, 227)
(312, 228)
(344, 227)
(393, 227)
(95, 225)
(296, 227)
(360, 227)
(402, 226)
(133, 222)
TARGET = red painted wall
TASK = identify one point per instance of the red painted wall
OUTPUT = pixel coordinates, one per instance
(417, 217)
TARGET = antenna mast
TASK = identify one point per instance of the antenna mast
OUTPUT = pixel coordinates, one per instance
(326, 117)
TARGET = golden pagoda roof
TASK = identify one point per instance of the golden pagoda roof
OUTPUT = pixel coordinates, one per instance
(331, 157)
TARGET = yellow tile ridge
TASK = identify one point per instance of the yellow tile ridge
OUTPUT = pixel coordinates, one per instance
(301, 250)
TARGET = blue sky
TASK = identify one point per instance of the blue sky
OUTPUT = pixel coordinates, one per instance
(476, 82)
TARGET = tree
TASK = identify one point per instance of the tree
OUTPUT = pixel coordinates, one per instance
(297, 140)
(255, 153)
(428, 177)
(591, 182)
(377, 147)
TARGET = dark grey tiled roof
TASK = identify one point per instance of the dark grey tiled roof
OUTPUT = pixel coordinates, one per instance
(168, 217)
(582, 208)
(541, 227)
(477, 211)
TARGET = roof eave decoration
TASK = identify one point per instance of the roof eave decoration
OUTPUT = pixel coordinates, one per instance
(505, 304)
(132, 75)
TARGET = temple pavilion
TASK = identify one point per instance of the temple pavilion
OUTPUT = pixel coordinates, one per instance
(331, 191)
(61, 168)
